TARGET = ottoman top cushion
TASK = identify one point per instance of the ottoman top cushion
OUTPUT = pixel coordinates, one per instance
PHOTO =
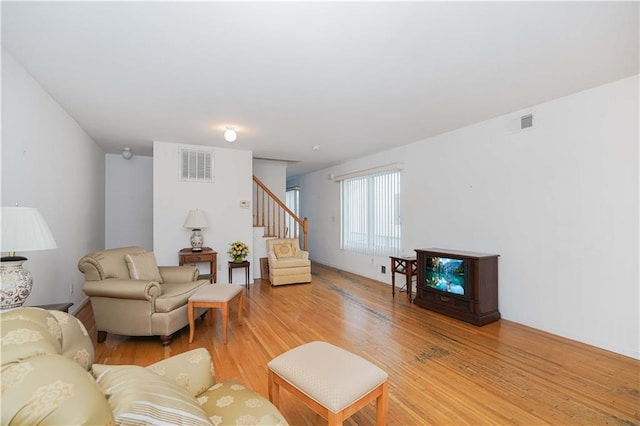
(216, 293)
(331, 376)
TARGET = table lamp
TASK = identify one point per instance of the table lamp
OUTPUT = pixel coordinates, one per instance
(196, 221)
(23, 229)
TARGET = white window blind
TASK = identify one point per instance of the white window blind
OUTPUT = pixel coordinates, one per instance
(371, 213)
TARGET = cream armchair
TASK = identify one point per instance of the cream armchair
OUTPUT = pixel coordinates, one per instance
(287, 263)
(132, 296)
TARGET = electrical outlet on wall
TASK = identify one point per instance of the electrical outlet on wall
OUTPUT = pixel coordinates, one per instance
(383, 269)
(71, 288)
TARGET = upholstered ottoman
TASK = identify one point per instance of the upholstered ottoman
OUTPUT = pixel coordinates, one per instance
(332, 381)
(215, 296)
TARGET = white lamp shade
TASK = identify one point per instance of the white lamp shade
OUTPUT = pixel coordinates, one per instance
(24, 229)
(195, 220)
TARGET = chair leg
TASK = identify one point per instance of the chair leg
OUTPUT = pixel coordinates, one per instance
(240, 309)
(102, 336)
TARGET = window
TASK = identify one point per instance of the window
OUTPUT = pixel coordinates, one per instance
(371, 213)
(293, 204)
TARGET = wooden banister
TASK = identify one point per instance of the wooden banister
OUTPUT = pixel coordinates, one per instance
(274, 215)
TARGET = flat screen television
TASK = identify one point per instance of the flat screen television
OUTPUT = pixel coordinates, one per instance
(446, 274)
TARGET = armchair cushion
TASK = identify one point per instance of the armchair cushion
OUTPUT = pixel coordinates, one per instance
(288, 263)
(175, 295)
(283, 250)
(143, 266)
(139, 396)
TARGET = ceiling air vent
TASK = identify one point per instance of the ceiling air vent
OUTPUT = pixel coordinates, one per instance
(196, 165)
(526, 121)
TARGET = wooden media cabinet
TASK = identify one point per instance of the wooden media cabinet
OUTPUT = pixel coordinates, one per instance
(479, 303)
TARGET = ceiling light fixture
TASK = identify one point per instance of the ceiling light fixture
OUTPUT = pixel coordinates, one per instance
(230, 134)
(126, 153)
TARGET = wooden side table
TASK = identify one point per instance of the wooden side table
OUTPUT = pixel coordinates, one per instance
(245, 264)
(206, 255)
(408, 266)
(64, 307)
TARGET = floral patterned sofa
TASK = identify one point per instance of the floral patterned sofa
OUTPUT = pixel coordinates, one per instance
(48, 378)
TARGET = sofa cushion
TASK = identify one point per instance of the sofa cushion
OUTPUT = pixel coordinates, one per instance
(230, 403)
(76, 343)
(51, 390)
(143, 266)
(193, 370)
(28, 332)
(175, 295)
(139, 396)
(283, 250)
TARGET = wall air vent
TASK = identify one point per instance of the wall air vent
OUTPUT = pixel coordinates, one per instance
(526, 121)
(196, 165)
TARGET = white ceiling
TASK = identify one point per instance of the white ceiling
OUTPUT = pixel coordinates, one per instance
(351, 78)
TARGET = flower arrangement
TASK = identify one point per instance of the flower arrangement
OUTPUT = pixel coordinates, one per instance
(238, 251)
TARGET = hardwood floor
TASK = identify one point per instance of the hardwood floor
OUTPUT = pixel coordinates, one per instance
(441, 371)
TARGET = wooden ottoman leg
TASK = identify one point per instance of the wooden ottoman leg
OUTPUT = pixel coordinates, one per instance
(382, 404)
(334, 419)
(274, 390)
(225, 318)
(191, 320)
(240, 309)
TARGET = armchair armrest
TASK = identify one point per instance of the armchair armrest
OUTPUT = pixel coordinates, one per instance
(301, 254)
(178, 274)
(123, 289)
(192, 370)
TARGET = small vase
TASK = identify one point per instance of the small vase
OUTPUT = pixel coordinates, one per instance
(238, 260)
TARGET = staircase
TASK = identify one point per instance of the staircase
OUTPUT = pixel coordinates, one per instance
(272, 214)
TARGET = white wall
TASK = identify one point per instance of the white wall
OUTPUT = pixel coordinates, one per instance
(50, 163)
(272, 173)
(558, 202)
(129, 201)
(219, 200)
